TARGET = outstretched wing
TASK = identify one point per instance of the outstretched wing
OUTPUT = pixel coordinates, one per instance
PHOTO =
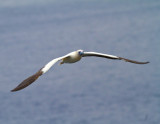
(87, 54)
(34, 77)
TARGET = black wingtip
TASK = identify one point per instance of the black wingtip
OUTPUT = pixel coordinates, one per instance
(13, 90)
(133, 61)
(17, 89)
(27, 81)
(147, 62)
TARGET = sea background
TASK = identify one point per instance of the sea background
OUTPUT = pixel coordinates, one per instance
(94, 90)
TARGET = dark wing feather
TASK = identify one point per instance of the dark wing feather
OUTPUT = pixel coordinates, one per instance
(28, 81)
(132, 61)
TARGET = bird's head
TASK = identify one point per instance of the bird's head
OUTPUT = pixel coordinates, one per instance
(80, 52)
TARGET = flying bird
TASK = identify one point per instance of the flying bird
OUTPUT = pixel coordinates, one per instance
(72, 57)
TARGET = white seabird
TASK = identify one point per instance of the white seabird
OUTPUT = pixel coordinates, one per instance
(69, 58)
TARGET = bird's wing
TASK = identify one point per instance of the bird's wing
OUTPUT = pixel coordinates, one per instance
(34, 77)
(87, 54)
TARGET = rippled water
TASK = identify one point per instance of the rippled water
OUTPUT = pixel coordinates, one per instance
(94, 90)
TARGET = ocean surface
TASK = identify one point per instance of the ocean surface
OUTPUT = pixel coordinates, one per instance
(94, 90)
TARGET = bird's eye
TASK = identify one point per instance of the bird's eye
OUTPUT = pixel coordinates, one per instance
(80, 52)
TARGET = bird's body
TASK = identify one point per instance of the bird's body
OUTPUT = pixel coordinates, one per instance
(72, 57)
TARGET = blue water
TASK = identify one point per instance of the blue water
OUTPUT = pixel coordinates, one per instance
(94, 90)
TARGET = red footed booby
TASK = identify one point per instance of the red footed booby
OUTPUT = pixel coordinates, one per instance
(72, 57)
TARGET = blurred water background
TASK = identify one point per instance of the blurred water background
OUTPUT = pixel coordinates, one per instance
(94, 90)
